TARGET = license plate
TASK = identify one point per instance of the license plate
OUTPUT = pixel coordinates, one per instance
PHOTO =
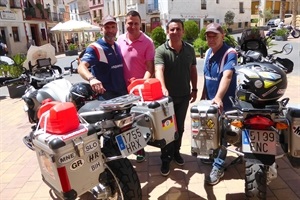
(259, 141)
(130, 141)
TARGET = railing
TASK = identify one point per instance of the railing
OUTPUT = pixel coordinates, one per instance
(56, 17)
(152, 9)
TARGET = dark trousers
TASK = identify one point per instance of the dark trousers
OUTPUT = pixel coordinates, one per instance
(181, 105)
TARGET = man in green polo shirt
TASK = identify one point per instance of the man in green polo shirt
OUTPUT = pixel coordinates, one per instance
(175, 67)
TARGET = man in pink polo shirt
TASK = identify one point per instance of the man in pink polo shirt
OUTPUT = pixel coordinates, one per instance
(138, 54)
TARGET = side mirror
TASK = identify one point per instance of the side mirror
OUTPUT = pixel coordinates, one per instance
(287, 49)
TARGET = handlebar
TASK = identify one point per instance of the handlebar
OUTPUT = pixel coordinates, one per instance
(21, 78)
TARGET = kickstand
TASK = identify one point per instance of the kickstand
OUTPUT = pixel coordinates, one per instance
(235, 161)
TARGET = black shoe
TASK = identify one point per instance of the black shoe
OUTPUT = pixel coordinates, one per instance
(178, 159)
(165, 168)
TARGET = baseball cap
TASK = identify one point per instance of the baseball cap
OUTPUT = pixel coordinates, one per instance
(214, 27)
(108, 19)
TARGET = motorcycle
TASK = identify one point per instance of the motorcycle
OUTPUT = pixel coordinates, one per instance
(92, 157)
(291, 30)
(258, 122)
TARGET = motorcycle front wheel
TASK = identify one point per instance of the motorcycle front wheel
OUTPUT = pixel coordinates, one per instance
(255, 181)
(296, 33)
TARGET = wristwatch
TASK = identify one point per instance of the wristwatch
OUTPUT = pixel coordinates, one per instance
(195, 90)
(91, 78)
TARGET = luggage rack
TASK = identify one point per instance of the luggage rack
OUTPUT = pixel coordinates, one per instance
(119, 102)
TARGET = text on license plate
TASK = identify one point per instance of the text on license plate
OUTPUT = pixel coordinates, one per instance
(130, 141)
(259, 141)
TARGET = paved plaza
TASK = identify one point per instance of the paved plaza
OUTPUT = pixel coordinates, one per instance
(20, 177)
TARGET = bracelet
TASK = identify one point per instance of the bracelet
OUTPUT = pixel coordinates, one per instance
(91, 78)
(195, 90)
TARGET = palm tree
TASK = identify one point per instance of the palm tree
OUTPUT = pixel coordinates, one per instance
(294, 11)
(282, 9)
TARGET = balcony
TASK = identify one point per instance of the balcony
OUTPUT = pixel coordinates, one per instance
(36, 13)
(152, 9)
(56, 17)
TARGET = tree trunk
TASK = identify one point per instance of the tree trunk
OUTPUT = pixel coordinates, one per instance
(294, 11)
(282, 9)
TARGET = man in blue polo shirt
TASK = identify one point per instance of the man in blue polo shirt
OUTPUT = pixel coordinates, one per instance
(219, 84)
(105, 61)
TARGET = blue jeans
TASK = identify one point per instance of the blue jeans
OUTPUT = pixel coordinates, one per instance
(219, 160)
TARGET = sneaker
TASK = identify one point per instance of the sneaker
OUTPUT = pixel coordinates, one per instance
(178, 159)
(141, 156)
(165, 168)
(214, 176)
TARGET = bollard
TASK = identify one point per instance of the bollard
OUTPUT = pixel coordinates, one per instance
(201, 52)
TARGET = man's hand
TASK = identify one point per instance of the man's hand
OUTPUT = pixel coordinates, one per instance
(219, 104)
(97, 86)
(193, 96)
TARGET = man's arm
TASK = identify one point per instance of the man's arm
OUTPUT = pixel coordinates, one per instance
(223, 87)
(150, 69)
(87, 75)
(159, 74)
(194, 79)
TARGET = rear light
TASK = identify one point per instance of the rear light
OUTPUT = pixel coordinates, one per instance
(258, 122)
(237, 123)
(281, 126)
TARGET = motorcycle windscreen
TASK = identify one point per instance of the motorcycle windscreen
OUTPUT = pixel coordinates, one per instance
(39, 52)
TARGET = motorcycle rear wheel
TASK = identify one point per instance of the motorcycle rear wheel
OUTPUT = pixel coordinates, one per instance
(255, 181)
(127, 178)
(296, 33)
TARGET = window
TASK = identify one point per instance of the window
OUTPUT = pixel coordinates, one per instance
(217, 1)
(100, 14)
(15, 33)
(142, 1)
(240, 25)
(43, 34)
(94, 2)
(94, 13)
(242, 7)
(246, 24)
(203, 4)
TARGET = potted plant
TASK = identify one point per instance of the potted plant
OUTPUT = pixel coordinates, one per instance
(281, 34)
(72, 50)
(29, 12)
(15, 70)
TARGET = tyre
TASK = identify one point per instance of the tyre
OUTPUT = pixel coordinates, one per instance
(127, 178)
(255, 181)
(296, 33)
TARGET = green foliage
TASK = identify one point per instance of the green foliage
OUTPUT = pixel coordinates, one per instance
(191, 31)
(281, 32)
(198, 43)
(254, 20)
(158, 36)
(202, 34)
(201, 40)
(14, 70)
(229, 39)
(72, 47)
(98, 35)
(269, 42)
(268, 13)
(229, 16)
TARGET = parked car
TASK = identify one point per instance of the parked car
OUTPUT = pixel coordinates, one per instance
(275, 22)
(271, 23)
